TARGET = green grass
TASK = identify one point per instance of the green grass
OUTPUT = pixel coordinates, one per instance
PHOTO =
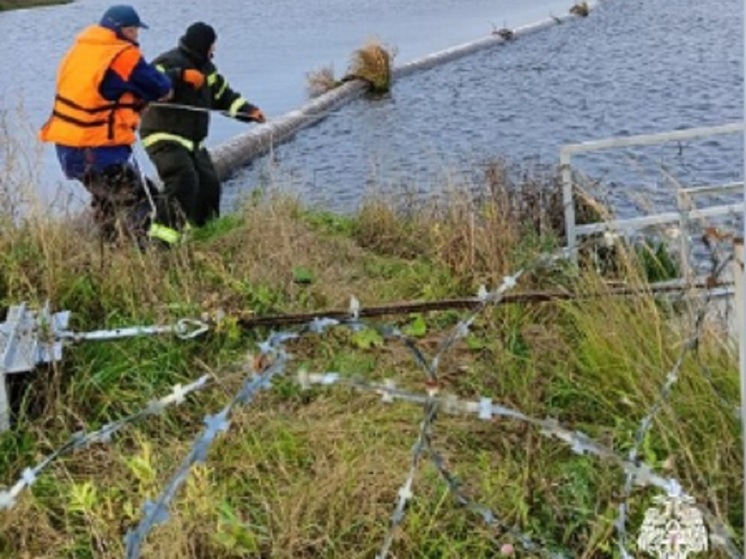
(315, 473)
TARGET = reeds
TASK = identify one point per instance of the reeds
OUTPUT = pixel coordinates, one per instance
(371, 63)
(581, 9)
(321, 81)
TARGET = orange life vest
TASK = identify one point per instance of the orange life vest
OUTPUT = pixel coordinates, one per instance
(81, 117)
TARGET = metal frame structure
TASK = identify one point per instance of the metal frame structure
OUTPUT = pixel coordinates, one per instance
(26, 340)
(29, 338)
(685, 213)
(573, 231)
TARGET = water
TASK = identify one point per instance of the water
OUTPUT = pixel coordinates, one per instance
(632, 67)
(264, 48)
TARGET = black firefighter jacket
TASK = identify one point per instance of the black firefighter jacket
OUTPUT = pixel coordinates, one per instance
(189, 127)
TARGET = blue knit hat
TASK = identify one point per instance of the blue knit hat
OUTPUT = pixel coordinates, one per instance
(120, 16)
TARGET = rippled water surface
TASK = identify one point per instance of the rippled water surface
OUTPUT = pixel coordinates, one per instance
(264, 48)
(632, 67)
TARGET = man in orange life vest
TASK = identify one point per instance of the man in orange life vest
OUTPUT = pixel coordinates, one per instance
(103, 84)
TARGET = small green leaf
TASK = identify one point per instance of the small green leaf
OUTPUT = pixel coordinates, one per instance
(83, 497)
(302, 275)
(417, 328)
(365, 339)
(474, 343)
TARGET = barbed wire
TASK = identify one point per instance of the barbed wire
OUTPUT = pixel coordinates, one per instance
(275, 358)
(406, 492)
(423, 444)
(717, 267)
(156, 512)
(82, 440)
(486, 409)
(451, 405)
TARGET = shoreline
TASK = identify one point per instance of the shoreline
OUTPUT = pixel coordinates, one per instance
(7, 5)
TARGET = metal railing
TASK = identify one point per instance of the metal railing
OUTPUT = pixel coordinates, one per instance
(685, 211)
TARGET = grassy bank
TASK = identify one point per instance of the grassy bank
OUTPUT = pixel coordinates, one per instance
(316, 473)
(17, 4)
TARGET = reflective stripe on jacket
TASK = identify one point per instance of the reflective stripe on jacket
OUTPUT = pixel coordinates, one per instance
(81, 117)
(188, 127)
(153, 139)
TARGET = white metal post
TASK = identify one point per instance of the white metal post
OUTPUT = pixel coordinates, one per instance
(740, 302)
(569, 205)
(683, 204)
(4, 404)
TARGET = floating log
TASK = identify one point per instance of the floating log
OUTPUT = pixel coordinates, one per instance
(240, 150)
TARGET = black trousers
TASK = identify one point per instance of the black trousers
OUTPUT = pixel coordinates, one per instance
(191, 189)
(121, 207)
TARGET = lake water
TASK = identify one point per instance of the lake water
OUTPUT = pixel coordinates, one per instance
(633, 66)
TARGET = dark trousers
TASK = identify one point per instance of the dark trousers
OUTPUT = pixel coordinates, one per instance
(191, 189)
(121, 207)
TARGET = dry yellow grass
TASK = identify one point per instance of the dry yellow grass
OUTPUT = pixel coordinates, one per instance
(581, 9)
(321, 81)
(316, 474)
(372, 63)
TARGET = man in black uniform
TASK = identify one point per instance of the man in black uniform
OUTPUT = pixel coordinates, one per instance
(173, 136)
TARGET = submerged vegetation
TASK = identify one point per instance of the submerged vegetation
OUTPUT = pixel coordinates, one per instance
(315, 473)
